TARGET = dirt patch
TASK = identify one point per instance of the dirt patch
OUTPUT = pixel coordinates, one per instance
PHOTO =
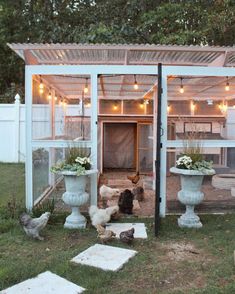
(185, 265)
(174, 266)
(182, 251)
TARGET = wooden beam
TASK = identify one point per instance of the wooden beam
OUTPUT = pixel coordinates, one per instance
(123, 77)
(102, 85)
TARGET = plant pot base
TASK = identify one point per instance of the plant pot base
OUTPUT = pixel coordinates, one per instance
(75, 220)
(75, 224)
(189, 221)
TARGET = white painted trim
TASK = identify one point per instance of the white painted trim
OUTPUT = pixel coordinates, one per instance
(91, 69)
(199, 71)
(163, 149)
(28, 125)
(60, 143)
(17, 128)
(94, 137)
(205, 143)
(127, 115)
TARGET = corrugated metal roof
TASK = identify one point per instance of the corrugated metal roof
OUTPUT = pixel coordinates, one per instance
(121, 87)
(134, 54)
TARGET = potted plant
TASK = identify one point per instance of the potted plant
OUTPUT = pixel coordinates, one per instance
(192, 168)
(75, 169)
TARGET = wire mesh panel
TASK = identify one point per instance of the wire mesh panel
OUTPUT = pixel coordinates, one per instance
(145, 147)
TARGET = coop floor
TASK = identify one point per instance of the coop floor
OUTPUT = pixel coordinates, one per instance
(215, 201)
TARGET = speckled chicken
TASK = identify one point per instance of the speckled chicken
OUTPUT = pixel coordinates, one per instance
(32, 226)
(127, 236)
(104, 235)
(134, 179)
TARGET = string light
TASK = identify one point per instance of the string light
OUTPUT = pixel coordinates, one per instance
(136, 86)
(141, 104)
(41, 86)
(49, 96)
(86, 87)
(55, 98)
(87, 104)
(227, 85)
(115, 106)
(146, 101)
(181, 86)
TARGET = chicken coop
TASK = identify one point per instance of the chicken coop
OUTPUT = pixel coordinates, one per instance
(113, 100)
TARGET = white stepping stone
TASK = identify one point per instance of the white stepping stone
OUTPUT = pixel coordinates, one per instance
(117, 228)
(104, 257)
(46, 283)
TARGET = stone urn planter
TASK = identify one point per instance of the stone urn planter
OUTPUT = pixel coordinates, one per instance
(190, 195)
(75, 196)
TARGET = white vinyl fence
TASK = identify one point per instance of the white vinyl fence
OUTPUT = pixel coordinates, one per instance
(12, 126)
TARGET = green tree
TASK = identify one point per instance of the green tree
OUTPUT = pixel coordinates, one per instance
(184, 22)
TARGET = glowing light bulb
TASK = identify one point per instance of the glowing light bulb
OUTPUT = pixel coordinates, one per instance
(115, 107)
(49, 96)
(136, 86)
(227, 85)
(55, 98)
(141, 105)
(41, 86)
(86, 87)
(181, 86)
(86, 90)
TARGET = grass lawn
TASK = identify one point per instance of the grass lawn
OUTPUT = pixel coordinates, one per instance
(12, 182)
(178, 261)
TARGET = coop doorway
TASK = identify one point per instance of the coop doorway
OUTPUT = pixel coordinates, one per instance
(119, 146)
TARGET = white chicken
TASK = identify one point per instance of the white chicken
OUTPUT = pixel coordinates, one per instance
(101, 216)
(32, 226)
(107, 192)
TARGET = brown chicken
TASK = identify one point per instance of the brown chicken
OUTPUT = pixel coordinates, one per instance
(134, 179)
(104, 235)
(127, 236)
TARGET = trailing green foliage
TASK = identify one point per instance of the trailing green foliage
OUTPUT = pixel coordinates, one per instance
(76, 160)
